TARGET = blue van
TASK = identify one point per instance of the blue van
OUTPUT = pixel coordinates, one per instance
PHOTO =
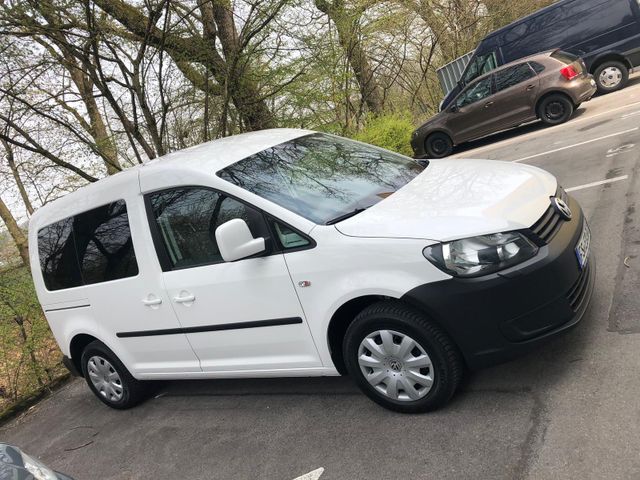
(605, 33)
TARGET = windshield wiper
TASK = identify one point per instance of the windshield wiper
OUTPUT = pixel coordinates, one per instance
(344, 216)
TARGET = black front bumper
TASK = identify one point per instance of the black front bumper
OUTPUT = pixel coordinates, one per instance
(500, 316)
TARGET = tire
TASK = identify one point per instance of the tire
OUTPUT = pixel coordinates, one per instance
(438, 145)
(397, 322)
(97, 359)
(611, 76)
(555, 109)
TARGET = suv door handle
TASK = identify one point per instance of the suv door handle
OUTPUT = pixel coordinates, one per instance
(152, 302)
(487, 105)
(187, 298)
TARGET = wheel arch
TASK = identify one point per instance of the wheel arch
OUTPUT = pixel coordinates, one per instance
(548, 94)
(609, 57)
(348, 311)
(77, 345)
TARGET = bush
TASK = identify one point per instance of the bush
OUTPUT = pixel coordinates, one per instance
(392, 131)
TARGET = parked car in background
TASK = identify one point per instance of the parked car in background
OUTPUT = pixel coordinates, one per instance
(548, 86)
(17, 465)
(294, 253)
(605, 33)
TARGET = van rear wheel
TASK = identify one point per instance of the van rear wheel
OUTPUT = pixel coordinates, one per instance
(400, 359)
(611, 76)
(109, 379)
(555, 109)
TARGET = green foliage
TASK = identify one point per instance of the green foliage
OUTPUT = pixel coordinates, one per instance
(29, 357)
(391, 131)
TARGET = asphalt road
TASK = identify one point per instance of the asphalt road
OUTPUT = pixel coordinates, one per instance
(571, 410)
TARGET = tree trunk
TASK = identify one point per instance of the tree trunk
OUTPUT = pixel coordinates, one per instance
(346, 23)
(15, 232)
(16, 176)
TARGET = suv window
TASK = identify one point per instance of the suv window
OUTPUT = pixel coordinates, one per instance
(537, 67)
(91, 247)
(186, 220)
(475, 92)
(512, 76)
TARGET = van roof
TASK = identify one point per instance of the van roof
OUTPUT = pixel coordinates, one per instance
(542, 11)
(210, 156)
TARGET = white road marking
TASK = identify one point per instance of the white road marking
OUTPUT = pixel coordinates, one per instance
(631, 114)
(543, 131)
(596, 184)
(575, 145)
(315, 475)
(612, 152)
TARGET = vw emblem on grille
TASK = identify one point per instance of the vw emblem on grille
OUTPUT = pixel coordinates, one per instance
(562, 208)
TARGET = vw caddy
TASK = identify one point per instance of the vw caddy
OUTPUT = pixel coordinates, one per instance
(294, 253)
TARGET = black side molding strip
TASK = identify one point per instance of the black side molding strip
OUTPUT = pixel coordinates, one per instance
(213, 328)
(66, 308)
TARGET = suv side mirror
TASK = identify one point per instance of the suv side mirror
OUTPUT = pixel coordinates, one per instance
(236, 242)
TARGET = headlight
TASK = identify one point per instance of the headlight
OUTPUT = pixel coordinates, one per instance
(37, 469)
(476, 256)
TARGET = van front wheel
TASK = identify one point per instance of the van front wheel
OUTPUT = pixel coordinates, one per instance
(400, 359)
(109, 379)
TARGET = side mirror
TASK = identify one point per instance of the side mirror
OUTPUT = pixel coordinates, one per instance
(454, 108)
(236, 242)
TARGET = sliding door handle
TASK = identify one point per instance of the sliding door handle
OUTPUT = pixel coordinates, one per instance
(184, 298)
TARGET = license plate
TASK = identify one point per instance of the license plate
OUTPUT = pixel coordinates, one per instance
(582, 248)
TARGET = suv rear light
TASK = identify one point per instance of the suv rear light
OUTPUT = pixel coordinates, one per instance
(569, 72)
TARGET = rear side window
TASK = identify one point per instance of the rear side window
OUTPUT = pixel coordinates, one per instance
(564, 57)
(512, 76)
(186, 220)
(103, 244)
(538, 67)
(58, 260)
(92, 247)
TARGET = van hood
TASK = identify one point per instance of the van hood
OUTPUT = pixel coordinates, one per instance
(454, 199)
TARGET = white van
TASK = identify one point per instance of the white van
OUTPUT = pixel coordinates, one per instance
(293, 253)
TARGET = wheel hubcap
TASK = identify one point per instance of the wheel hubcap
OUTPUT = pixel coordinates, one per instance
(439, 146)
(611, 77)
(555, 110)
(396, 365)
(105, 378)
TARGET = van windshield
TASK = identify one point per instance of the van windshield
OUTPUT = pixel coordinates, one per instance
(323, 178)
(480, 65)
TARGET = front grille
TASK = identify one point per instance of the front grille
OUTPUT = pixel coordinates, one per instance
(547, 227)
(578, 292)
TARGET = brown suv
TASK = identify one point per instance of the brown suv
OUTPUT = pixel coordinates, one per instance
(548, 86)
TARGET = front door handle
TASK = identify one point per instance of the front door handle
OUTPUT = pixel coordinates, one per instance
(487, 105)
(184, 298)
(152, 301)
(530, 87)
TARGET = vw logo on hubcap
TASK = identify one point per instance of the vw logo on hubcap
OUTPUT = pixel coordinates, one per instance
(562, 208)
(395, 365)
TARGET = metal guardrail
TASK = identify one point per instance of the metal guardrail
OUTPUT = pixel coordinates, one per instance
(449, 74)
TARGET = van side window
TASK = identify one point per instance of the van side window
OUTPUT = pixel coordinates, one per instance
(103, 244)
(58, 260)
(187, 218)
(91, 247)
(475, 92)
(289, 239)
(512, 76)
